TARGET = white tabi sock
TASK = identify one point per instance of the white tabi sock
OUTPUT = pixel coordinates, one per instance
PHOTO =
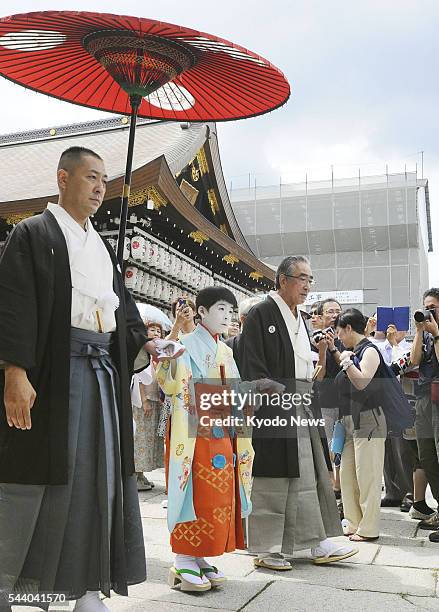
(203, 563)
(326, 548)
(90, 602)
(189, 563)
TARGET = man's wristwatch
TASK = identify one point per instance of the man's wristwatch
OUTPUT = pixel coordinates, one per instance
(332, 351)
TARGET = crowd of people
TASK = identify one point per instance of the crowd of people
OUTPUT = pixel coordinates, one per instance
(276, 427)
(410, 458)
(352, 370)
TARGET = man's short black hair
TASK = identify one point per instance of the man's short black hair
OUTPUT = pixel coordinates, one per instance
(286, 264)
(211, 295)
(326, 301)
(432, 292)
(72, 156)
(353, 317)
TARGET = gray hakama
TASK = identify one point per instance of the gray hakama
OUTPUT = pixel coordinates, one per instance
(292, 514)
(85, 535)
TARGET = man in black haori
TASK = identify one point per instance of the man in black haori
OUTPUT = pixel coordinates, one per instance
(69, 335)
(294, 507)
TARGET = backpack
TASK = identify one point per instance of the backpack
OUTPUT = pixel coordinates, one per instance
(386, 391)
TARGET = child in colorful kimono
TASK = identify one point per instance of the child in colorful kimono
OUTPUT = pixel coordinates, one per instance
(209, 471)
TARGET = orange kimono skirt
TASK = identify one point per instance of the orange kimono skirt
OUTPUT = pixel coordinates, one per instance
(218, 528)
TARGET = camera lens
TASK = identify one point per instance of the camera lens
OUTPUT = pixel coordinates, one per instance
(419, 316)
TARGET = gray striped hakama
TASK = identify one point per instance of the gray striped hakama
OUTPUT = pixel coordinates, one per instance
(85, 535)
(292, 514)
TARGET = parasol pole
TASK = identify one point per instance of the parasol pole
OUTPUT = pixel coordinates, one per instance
(135, 101)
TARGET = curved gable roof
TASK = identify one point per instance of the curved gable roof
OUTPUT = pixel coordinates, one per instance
(36, 158)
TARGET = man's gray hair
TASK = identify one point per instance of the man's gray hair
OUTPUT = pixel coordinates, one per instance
(248, 303)
(286, 265)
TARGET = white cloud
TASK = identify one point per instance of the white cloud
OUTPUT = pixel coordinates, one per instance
(365, 89)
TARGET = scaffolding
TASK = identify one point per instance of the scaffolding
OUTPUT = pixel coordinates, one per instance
(364, 233)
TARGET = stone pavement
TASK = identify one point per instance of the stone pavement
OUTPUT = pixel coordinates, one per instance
(399, 572)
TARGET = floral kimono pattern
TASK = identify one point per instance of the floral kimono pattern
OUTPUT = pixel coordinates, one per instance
(209, 476)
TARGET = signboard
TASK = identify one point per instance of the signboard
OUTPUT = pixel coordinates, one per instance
(342, 297)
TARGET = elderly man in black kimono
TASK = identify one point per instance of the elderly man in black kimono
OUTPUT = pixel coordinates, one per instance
(69, 335)
(293, 504)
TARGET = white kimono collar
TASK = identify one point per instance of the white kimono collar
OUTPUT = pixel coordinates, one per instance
(91, 268)
(62, 216)
(298, 336)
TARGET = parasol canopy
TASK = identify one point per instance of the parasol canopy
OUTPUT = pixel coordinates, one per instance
(139, 67)
(152, 314)
(102, 60)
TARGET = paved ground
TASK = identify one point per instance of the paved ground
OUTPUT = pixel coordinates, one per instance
(400, 572)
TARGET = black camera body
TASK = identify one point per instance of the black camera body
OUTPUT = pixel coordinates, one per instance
(319, 334)
(422, 315)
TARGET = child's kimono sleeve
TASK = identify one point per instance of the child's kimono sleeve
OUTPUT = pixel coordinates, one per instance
(167, 382)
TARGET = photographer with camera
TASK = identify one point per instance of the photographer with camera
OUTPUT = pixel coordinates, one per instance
(362, 457)
(329, 310)
(425, 353)
(183, 311)
(318, 341)
(406, 464)
(398, 458)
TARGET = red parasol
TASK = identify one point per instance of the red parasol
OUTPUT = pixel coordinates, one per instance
(137, 66)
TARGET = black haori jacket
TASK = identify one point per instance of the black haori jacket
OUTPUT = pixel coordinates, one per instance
(35, 310)
(264, 350)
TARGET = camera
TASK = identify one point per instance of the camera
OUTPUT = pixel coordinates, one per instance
(319, 334)
(422, 315)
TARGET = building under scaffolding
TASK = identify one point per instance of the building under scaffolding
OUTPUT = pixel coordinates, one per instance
(367, 237)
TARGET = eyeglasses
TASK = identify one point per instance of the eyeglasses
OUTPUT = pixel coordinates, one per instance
(303, 278)
(314, 313)
(332, 311)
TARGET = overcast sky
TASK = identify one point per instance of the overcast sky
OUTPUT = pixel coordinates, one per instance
(364, 78)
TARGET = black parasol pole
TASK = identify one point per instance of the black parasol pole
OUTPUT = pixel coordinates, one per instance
(135, 101)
